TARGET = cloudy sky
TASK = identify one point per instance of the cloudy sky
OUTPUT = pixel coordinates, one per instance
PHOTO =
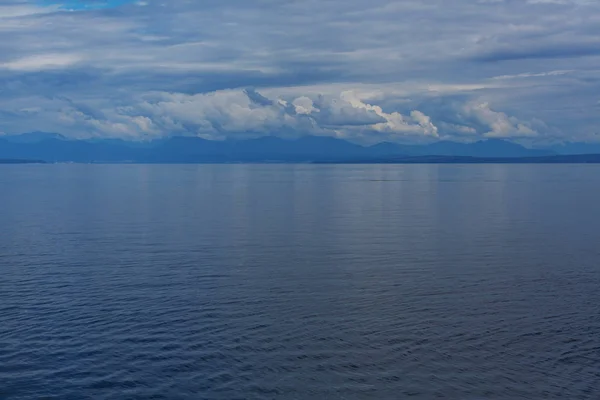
(368, 71)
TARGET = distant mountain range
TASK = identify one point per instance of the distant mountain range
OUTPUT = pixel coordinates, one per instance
(13, 161)
(52, 147)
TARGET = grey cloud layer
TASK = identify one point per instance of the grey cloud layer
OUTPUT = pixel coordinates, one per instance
(369, 71)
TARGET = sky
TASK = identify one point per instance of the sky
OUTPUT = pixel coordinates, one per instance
(408, 71)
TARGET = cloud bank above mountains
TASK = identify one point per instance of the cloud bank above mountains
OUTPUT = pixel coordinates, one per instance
(382, 70)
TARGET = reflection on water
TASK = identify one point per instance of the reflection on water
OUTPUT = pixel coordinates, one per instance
(299, 282)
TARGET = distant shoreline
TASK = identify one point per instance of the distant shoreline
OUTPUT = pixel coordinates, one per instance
(557, 159)
(577, 159)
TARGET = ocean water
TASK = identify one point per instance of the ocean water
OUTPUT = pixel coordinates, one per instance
(299, 282)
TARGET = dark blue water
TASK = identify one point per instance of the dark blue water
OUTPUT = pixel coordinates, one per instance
(299, 282)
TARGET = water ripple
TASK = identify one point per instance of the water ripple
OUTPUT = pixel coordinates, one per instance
(316, 282)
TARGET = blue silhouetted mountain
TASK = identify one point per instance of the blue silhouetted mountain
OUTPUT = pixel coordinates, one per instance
(308, 148)
(61, 150)
(483, 148)
(12, 161)
(264, 149)
(570, 148)
(56, 148)
(34, 137)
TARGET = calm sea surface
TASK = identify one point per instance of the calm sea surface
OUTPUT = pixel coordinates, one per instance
(299, 282)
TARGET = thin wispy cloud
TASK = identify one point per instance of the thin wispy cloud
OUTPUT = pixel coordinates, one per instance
(366, 71)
